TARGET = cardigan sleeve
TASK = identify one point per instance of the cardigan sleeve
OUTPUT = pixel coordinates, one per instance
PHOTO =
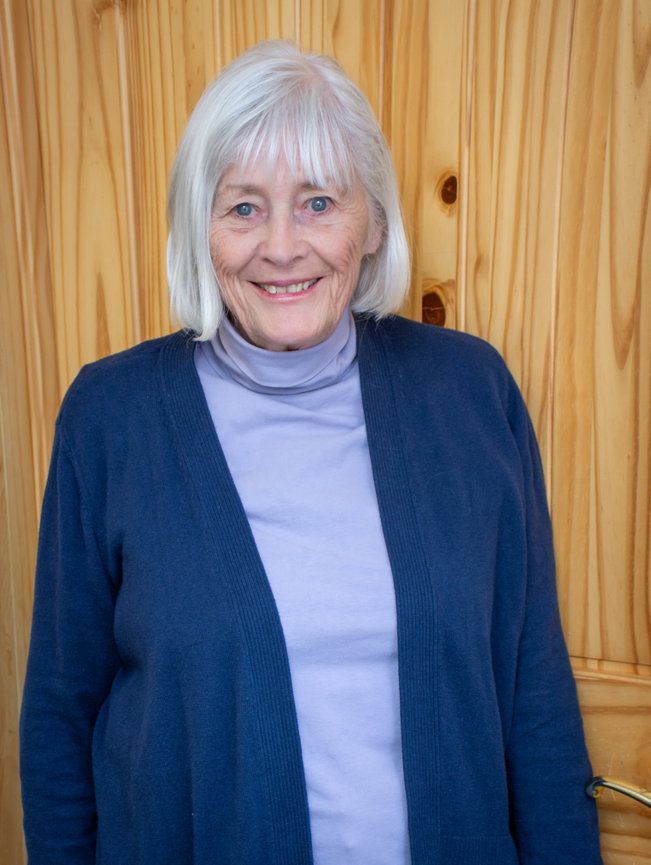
(554, 821)
(71, 665)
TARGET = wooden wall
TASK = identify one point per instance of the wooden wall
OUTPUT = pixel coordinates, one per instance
(520, 131)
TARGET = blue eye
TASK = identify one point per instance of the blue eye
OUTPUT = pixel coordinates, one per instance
(319, 204)
(243, 209)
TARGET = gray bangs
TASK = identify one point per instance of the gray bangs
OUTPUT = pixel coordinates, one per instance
(304, 132)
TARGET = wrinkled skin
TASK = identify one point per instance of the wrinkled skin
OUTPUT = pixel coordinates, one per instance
(272, 228)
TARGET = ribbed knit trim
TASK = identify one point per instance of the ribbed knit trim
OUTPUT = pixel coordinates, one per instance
(478, 850)
(414, 587)
(246, 582)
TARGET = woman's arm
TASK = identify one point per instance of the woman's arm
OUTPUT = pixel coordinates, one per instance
(71, 665)
(554, 822)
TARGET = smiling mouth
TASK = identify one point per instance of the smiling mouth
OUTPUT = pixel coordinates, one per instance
(293, 288)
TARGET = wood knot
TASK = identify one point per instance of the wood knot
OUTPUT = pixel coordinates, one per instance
(433, 309)
(447, 189)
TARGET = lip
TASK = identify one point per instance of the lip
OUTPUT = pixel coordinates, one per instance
(281, 283)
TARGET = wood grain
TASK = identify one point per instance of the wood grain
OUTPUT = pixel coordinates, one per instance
(591, 667)
(352, 33)
(436, 228)
(242, 23)
(168, 54)
(602, 395)
(512, 131)
(29, 390)
(76, 69)
(404, 107)
(617, 719)
(612, 855)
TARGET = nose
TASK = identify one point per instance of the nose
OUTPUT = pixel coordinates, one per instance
(282, 244)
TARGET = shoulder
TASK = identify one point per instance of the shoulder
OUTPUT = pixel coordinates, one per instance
(116, 385)
(412, 339)
(439, 359)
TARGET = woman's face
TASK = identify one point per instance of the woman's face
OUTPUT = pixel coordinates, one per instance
(287, 254)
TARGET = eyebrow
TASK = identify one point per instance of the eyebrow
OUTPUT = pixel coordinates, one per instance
(251, 189)
(236, 187)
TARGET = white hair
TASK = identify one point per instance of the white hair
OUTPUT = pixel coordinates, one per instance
(274, 101)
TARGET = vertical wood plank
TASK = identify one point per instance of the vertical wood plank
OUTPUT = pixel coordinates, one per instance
(352, 33)
(617, 714)
(512, 134)
(602, 399)
(80, 126)
(168, 52)
(23, 209)
(441, 179)
(245, 22)
(404, 107)
(28, 390)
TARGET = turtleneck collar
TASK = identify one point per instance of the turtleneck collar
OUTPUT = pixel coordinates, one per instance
(283, 372)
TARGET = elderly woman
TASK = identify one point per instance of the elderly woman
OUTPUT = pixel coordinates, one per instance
(295, 594)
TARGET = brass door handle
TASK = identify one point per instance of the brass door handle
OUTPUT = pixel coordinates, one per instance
(596, 787)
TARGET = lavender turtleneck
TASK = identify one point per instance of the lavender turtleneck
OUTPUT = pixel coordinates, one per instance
(292, 428)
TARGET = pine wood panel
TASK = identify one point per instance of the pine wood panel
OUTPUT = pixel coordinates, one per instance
(602, 398)
(404, 102)
(17, 523)
(613, 856)
(30, 284)
(77, 72)
(617, 718)
(350, 31)
(242, 23)
(438, 216)
(29, 390)
(517, 64)
(168, 52)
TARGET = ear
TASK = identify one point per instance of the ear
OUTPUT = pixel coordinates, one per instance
(375, 233)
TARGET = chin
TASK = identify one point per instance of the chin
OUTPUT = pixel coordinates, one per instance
(292, 341)
(295, 338)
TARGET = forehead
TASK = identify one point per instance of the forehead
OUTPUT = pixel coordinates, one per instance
(261, 174)
(279, 177)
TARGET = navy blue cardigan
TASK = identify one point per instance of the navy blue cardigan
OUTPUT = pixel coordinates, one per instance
(158, 723)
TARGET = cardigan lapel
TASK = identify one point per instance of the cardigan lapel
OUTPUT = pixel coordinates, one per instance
(246, 582)
(414, 589)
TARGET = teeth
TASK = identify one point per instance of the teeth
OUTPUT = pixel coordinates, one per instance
(287, 289)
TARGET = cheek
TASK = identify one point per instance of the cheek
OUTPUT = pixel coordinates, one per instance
(346, 258)
(215, 242)
(229, 253)
(347, 248)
